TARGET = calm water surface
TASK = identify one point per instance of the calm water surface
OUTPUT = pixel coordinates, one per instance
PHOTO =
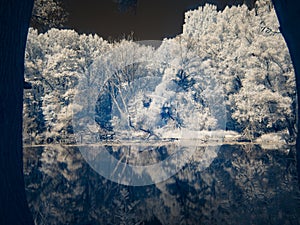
(234, 185)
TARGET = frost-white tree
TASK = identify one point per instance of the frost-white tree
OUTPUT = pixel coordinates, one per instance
(56, 60)
(134, 89)
(119, 75)
(246, 51)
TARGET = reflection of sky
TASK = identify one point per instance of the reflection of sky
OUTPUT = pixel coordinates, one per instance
(152, 20)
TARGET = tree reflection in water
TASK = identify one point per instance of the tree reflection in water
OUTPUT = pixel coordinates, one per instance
(238, 185)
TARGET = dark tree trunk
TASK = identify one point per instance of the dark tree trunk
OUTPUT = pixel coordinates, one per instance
(14, 22)
(288, 13)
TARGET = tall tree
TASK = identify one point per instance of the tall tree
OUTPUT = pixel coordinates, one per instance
(14, 20)
(48, 14)
(288, 12)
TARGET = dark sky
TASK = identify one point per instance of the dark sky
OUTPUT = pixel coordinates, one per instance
(152, 19)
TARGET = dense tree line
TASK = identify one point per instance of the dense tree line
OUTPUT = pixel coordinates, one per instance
(229, 67)
(16, 212)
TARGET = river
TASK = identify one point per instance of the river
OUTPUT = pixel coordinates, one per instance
(230, 184)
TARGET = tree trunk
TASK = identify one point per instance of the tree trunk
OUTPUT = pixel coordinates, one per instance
(288, 13)
(14, 21)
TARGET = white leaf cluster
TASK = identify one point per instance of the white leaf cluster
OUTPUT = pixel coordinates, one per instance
(227, 70)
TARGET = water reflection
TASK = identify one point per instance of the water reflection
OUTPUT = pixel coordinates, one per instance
(145, 164)
(234, 185)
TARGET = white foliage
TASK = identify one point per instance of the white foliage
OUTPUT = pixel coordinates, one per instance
(235, 53)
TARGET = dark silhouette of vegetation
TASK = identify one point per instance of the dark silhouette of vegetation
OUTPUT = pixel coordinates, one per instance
(47, 14)
(289, 17)
(14, 20)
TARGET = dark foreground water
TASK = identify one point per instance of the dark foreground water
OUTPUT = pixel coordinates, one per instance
(235, 185)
